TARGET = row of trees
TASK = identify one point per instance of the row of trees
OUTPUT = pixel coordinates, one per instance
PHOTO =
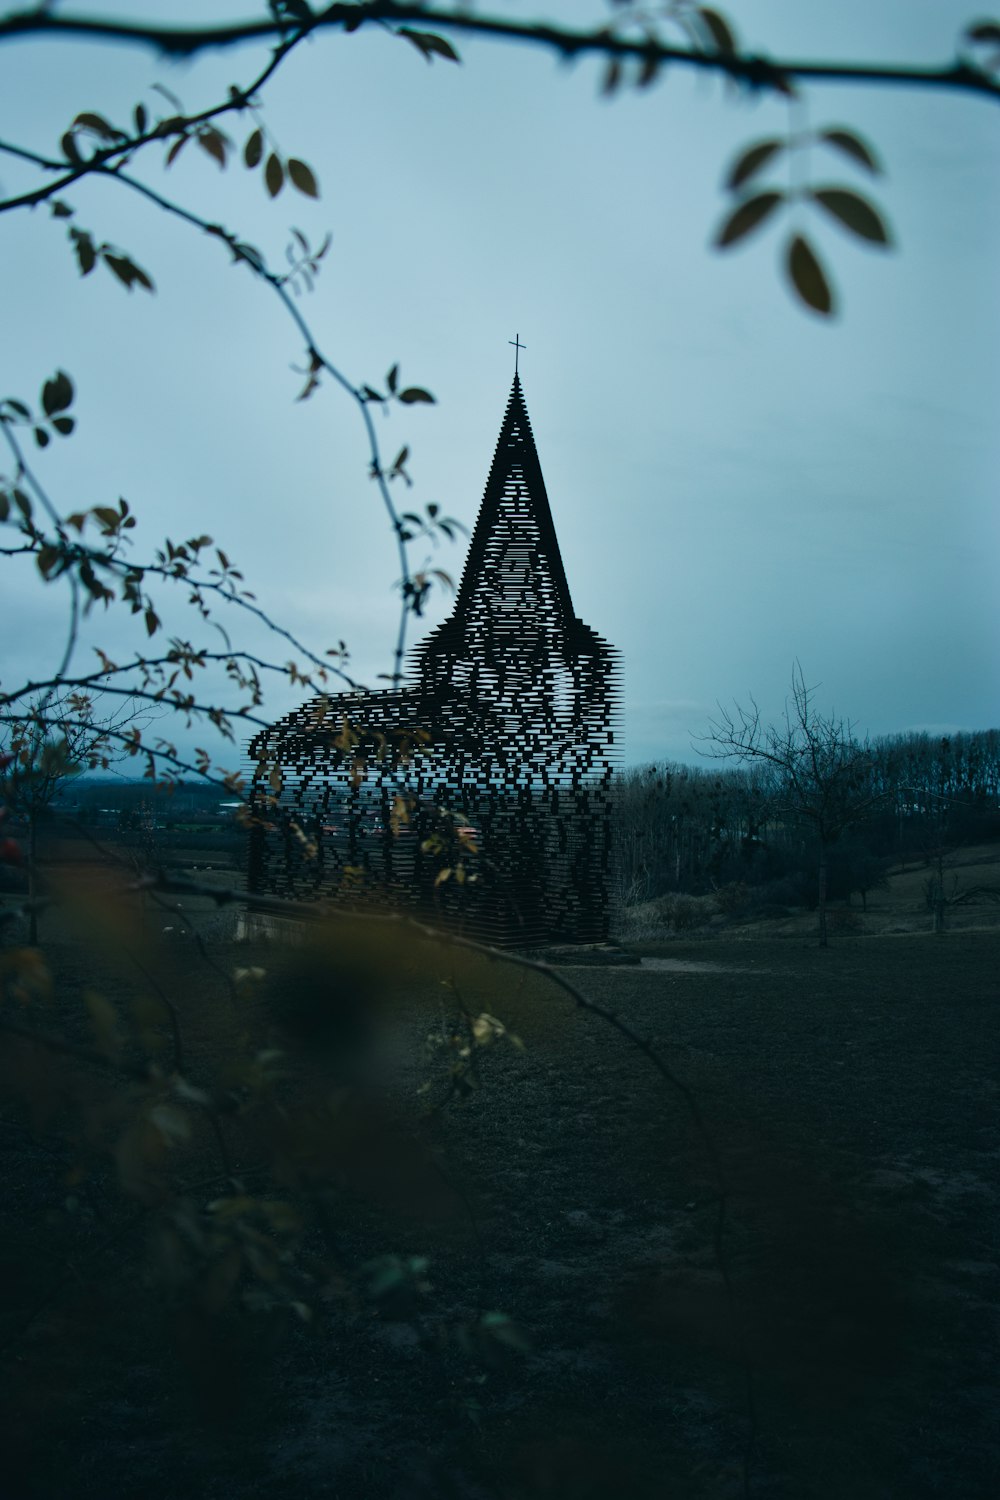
(810, 811)
(803, 810)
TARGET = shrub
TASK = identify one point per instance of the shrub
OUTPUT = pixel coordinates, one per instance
(685, 913)
(734, 899)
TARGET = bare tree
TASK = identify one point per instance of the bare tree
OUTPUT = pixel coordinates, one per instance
(822, 774)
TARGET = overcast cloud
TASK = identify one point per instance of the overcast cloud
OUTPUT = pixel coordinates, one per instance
(735, 484)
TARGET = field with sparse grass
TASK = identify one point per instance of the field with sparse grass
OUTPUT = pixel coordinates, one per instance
(850, 1095)
(972, 904)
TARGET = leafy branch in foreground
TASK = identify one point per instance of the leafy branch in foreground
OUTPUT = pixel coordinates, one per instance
(303, 269)
(707, 24)
(755, 206)
(158, 1138)
(636, 50)
(107, 574)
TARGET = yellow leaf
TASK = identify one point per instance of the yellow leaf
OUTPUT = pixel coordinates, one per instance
(484, 1030)
(26, 975)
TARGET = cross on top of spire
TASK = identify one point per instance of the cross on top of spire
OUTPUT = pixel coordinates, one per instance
(518, 346)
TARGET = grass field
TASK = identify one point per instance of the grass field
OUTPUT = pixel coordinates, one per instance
(851, 1098)
(971, 877)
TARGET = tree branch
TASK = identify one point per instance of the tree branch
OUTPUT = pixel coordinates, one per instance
(755, 72)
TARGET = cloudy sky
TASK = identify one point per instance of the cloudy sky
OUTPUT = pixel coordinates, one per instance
(736, 483)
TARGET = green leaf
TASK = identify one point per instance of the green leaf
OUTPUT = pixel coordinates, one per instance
(70, 149)
(41, 437)
(97, 124)
(173, 125)
(430, 45)
(612, 77)
(853, 146)
(303, 177)
(86, 254)
(274, 175)
(60, 210)
(176, 149)
(213, 142)
(57, 393)
(171, 98)
(984, 31)
(253, 151)
(46, 560)
(854, 212)
(392, 379)
(128, 273)
(63, 425)
(808, 277)
(649, 71)
(141, 119)
(414, 393)
(749, 215)
(751, 161)
(299, 10)
(250, 254)
(719, 29)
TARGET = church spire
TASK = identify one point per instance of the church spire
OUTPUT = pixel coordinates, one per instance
(514, 549)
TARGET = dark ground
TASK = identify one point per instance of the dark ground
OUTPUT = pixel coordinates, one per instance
(852, 1097)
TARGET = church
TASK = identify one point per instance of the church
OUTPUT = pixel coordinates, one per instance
(478, 794)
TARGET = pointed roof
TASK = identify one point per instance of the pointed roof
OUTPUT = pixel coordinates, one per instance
(515, 504)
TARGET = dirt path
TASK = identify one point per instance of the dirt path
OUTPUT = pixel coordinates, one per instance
(665, 966)
(695, 966)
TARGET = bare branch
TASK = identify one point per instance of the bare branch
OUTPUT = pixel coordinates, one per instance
(567, 43)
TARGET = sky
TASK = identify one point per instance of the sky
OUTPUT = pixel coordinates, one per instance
(737, 484)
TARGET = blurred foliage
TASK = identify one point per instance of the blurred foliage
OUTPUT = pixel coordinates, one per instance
(242, 1137)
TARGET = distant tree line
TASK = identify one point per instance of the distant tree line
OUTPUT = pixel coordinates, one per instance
(97, 801)
(698, 830)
